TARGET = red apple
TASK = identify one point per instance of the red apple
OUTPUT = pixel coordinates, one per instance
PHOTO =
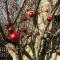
(10, 29)
(21, 36)
(22, 29)
(49, 18)
(46, 10)
(58, 53)
(31, 13)
(14, 37)
(25, 18)
(29, 35)
(49, 30)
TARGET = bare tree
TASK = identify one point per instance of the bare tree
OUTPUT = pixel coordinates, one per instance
(30, 29)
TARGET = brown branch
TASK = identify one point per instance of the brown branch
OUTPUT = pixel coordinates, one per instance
(19, 12)
(8, 18)
(57, 33)
(1, 30)
(25, 53)
(55, 7)
(35, 17)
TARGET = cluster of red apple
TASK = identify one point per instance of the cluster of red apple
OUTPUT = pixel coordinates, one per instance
(14, 36)
(30, 13)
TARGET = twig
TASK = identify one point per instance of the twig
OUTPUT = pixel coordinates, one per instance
(19, 11)
(25, 53)
(57, 32)
(1, 30)
(8, 18)
(35, 17)
(55, 8)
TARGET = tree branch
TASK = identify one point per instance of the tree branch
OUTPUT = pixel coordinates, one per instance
(19, 12)
(57, 33)
(24, 52)
(8, 18)
(55, 7)
(35, 17)
(1, 30)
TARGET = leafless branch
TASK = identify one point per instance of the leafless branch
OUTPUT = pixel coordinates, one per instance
(19, 12)
(1, 30)
(8, 18)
